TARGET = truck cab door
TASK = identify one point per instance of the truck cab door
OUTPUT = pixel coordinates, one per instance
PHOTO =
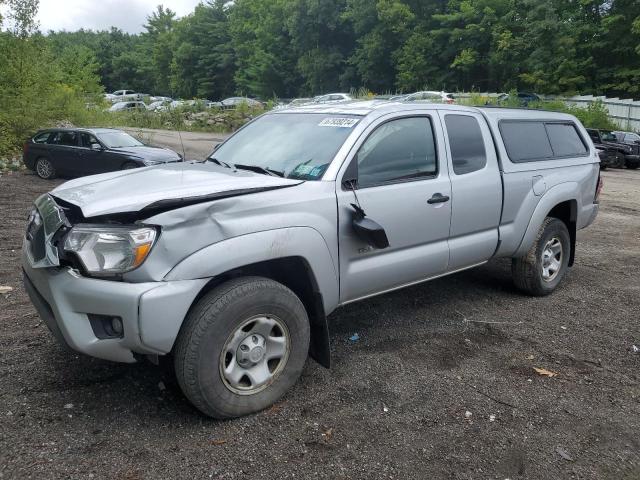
(476, 188)
(399, 177)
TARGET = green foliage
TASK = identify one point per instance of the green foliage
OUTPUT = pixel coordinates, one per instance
(38, 87)
(594, 115)
(289, 48)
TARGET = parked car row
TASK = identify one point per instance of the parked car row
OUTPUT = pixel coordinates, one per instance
(162, 104)
(331, 98)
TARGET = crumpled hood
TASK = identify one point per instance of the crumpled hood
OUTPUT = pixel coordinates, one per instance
(146, 152)
(169, 184)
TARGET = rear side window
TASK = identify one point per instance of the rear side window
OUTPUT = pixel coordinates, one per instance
(466, 143)
(65, 138)
(399, 150)
(41, 138)
(565, 140)
(533, 141)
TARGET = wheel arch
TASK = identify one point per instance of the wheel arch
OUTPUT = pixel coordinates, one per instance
(298, 258)
(567, 212)
(294, 273)
(559, 202)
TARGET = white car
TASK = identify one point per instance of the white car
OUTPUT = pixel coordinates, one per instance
(233, 102)
(125, 95)
(154, 98)
(425, 96)
(159, 106)
(333, 98)
(122, 106)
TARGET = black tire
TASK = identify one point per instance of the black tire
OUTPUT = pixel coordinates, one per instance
(44, 168)
(632, 165)
(129, 166)
(209, 326)
(529, 272)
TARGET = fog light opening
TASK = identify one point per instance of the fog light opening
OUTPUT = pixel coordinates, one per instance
(106, 326)
(116, 325)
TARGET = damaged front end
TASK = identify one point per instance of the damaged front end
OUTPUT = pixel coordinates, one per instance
(47, 222)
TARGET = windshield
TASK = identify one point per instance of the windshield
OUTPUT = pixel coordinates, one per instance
(298, 145)
(118, 139)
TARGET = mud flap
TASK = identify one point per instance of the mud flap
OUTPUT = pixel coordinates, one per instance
(319, 346)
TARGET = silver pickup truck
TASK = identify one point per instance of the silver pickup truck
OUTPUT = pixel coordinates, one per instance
(232, 265)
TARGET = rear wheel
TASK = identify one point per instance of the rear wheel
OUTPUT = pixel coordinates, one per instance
(242, 346)
(544, 266)
(45, 169)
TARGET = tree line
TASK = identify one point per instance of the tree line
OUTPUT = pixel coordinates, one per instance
(289, 48)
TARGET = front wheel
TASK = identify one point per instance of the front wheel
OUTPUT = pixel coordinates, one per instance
(544, 266)
(242, 346)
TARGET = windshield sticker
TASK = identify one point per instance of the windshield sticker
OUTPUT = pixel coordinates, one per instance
(303, 169)
(338, 122)
(317, 171)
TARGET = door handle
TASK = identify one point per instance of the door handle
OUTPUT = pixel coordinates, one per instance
(438, 198)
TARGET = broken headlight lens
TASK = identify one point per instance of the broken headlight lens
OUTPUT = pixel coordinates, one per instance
(110, 250)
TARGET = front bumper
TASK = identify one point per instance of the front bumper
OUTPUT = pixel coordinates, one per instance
(587, 215)
(632, 159)
(151, 312)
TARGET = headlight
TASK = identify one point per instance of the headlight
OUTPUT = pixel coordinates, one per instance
(110, 249)
(150, 162)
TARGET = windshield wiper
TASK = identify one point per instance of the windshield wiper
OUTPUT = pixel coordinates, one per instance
(219, 162)
(257, 169)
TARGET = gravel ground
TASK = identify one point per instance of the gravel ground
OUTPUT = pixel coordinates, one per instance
(440, 385)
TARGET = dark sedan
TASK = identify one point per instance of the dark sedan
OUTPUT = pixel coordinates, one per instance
(81, 151)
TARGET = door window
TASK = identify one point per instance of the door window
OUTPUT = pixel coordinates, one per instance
(396, 151)
(69, 139)
(88, 139)
(466, 144)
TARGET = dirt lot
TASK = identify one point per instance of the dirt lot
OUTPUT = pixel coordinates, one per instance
(394, 405)
(195, 145)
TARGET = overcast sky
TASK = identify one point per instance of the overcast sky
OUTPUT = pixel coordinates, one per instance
(128, 15)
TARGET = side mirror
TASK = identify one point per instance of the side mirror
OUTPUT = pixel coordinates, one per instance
(369, 230)
(96, 147)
